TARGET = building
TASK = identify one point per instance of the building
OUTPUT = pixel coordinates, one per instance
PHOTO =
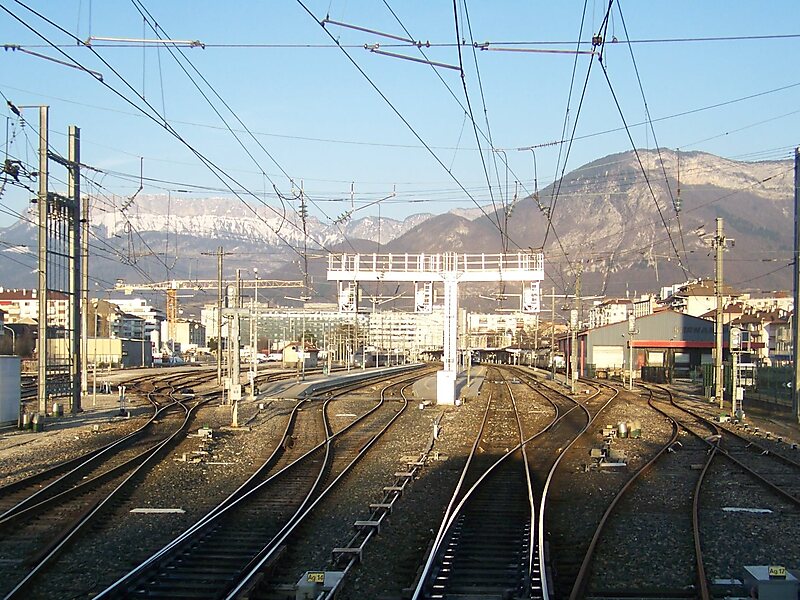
(407, 333)
(189, 335)
(768, 339)
(106, 319)
(499, 330)
(412, 334)
(295, 356)
(695, 298)
(770, 302)
(22, 306)
(676, 342)
(276, 326)
(152, 316)
(609, 311)
(646, 304)
(779, 340)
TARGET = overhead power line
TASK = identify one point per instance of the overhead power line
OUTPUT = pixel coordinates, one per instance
(402, 43)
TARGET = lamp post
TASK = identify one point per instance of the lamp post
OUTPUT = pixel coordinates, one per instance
(631, 333)
(254, 346)
(13, 339)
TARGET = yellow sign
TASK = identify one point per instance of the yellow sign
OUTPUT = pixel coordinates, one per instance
(315, 577)
(777, 571)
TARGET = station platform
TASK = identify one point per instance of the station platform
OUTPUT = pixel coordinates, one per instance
(466, 387)
(424, 389)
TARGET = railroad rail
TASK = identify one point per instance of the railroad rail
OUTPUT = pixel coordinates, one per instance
(486, 544)
(512, 563)
(245, 532)
(668, 495)
(75, 502)
(20, 495)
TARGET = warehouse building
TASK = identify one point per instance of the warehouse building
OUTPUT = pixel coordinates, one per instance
(671, 343)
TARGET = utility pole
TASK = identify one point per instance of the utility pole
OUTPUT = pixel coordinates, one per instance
(85, 297)
(553, 331)
(719, 245)
(254, 345)
(575, 323)
(41, 343)
(219, 315)
(796, 271)
(75, 260)
(631, 333)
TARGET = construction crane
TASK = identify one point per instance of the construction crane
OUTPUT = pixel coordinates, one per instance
(171, 289)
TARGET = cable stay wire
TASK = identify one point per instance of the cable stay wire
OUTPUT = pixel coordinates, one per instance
(156, 117)
(462, 75)
(147, 16)
(465, 109)
(559, 180)
(403, 43)
(155, 27)
(638, 157)
(397, 112)
(675, 205)
(485, 116)
(414, 147)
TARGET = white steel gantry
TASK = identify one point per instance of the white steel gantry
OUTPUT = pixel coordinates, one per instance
(451, 269)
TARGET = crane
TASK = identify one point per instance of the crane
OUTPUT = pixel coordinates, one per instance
(172, 286)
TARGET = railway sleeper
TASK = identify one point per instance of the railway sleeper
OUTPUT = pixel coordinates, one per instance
(376, 525)
(339, 552)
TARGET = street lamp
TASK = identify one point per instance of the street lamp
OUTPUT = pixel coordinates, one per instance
(13, 340)
(254, 345)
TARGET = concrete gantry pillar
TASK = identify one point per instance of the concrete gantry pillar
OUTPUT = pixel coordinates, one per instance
(452, 269)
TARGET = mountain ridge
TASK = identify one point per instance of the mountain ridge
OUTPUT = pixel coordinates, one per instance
(606, 220)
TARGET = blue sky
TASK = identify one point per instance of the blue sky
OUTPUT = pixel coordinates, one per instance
(321, 122)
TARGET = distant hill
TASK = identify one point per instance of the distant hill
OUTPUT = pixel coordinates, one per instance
(605, 224)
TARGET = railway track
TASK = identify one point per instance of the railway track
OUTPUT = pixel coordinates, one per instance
(275, 575)
(105, 481)
(491, 542)
(486, 545)
(26, 492)
(244, 534)
(739, 483)
(38, 527)
(660, 496)
(567, 537)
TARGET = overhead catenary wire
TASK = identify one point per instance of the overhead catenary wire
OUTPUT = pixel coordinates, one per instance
(154, 115)
(641, 165)
(155, 27)
(403, 43)
(675, 206)
(557, 188)
(415, 147)
(462, 74)
(397, 112)
(467, 110)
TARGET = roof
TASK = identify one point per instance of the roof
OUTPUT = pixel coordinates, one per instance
(703, 287)
(730, 309)
(24, 294)
(612, 301)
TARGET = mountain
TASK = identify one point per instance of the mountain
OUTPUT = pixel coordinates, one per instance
(613, 220)
(619, 229)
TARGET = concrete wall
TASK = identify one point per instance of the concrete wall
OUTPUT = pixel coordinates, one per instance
(9, 388)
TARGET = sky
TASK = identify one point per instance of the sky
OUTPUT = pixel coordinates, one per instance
(364, 131)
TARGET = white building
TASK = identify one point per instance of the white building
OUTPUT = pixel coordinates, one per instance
(22, 306)
(407, 332)
(498, 330)
(609, 311)
(153, 317)
(695, 298)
